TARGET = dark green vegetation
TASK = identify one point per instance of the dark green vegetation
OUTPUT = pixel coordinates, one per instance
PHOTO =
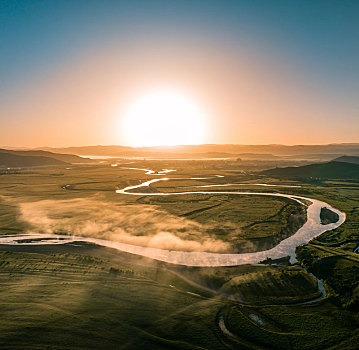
(333, 255)
(88, 297)
(340, 271)
(330, 170)
(327, 216)
(81, 296)
(248, 223)
(348, 159)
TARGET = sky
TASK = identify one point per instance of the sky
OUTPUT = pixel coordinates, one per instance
(261, 72)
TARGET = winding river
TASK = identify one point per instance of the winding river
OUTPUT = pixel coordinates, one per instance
(312, 228)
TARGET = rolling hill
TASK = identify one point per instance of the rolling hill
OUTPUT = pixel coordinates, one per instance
(348, 159)
(67, 158)
(9, 160)
(330, 170)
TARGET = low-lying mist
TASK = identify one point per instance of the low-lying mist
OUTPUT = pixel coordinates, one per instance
(137, 224)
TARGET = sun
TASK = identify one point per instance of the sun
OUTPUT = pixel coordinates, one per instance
(163, 118)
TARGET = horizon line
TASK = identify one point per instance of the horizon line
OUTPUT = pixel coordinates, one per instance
(187, 145)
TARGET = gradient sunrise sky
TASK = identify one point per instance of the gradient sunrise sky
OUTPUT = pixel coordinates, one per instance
(262, 71)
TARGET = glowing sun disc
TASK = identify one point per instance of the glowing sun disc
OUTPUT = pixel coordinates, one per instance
(163, 118)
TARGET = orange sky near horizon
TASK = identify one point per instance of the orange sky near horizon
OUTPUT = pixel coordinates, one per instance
(247, 99)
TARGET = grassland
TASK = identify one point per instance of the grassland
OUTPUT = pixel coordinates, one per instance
(246, 223)
(327, 216)
(88, 297)
(81, 296)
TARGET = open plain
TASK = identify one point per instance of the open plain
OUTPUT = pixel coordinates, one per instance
(88, 296)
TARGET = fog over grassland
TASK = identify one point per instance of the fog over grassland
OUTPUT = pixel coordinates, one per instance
(135, 224)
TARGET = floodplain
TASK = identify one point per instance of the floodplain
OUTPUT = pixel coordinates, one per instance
(86, 296)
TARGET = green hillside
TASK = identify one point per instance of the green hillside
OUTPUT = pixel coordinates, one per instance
(330, 170)
(348, 159)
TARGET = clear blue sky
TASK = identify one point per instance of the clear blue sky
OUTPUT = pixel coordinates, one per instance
(315, 41)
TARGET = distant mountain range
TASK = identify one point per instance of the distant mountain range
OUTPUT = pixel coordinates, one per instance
(348, 153)
(18, 159)
(106, 151)
(317, 152)
(329, 170)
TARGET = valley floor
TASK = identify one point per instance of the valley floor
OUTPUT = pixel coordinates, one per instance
(83, 296)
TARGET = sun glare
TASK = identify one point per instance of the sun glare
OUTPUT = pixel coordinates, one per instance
(163, 118)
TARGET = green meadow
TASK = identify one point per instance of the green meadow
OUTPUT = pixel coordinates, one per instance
(82, 296)
(247, 223)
